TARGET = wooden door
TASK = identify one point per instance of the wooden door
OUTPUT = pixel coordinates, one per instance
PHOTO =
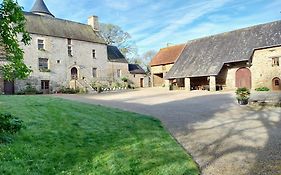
(243, 78)
(9, 87)
(45, 86)
(141, 82)
(276, 84)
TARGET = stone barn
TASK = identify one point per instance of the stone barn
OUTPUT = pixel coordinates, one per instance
(248, 57)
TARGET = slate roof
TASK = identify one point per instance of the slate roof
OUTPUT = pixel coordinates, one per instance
(206, 56)
(40, 7)
(42, 25)
(167, 55)
(136, 69)
(114, 55)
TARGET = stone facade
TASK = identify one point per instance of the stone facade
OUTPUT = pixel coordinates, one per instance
(262, 69)
(158, 75)
(64, 53)
(116, 71)
(139, 80)
(60, 63)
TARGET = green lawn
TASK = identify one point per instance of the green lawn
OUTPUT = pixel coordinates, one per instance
(64, 137)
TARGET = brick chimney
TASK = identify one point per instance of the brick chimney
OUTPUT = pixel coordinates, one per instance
(94, 22)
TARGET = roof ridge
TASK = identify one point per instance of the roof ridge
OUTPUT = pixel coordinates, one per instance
(65, 20)
(177, 45)
(228, 32)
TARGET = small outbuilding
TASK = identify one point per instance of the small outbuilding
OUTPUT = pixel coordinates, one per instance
(138, 76)
(163, 62)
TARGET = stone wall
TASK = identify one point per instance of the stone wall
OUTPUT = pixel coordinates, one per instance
(60, 63)
(136, 79)
(230, 72)
(161, 69)
(111, 71)
(262, 69)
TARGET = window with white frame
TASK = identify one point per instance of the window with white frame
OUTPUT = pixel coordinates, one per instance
(43, 64)
(40, 44)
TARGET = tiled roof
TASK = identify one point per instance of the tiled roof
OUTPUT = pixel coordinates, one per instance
(206, 56)
(167, 55)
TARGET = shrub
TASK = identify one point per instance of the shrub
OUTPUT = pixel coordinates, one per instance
(67, 90)
(243, 93)
(97, 86)
(29, 90)
(262, 89)
(124, 79)
(8, 125)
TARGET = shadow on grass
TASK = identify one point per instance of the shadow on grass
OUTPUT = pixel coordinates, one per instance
(64, 137)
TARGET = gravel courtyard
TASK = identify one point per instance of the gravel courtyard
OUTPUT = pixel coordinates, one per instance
(223, 137)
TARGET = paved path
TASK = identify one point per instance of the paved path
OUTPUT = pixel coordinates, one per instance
(223, 137)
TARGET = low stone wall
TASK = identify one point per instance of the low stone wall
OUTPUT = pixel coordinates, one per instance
(266, 98)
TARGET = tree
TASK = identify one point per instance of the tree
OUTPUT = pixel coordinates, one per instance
(12, 23)
(145, 59)
(114, 35)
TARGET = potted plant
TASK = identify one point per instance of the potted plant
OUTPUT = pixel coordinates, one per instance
(243, 95)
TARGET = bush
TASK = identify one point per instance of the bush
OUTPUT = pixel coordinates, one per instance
(124, 79)
(97, 86)
(65, 90)
(262, 89)
(29, 90)
(9, 125)
(243, 93)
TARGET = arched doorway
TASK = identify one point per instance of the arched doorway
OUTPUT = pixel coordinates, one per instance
(74, 73)
(243, 78)
(276, 84)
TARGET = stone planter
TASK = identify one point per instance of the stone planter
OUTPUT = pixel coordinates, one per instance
(243, 102)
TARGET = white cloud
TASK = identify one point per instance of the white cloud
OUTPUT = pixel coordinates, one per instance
(192, 13)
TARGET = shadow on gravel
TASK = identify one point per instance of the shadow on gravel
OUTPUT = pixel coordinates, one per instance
(223, 137)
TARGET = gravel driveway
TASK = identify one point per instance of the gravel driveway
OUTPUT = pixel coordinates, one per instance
(223, 137)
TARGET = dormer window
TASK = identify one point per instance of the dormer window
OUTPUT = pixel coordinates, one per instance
(275, 61)
(40, 44)
(69, 47)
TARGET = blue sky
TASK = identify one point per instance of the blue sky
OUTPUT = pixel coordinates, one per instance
(155, 23)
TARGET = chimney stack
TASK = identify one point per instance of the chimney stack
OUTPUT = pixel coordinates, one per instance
(94, 22)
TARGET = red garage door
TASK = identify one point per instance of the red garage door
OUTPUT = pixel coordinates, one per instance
(243, 78)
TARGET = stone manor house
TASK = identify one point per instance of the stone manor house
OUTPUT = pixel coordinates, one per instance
(248, 57)
(69, 54)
